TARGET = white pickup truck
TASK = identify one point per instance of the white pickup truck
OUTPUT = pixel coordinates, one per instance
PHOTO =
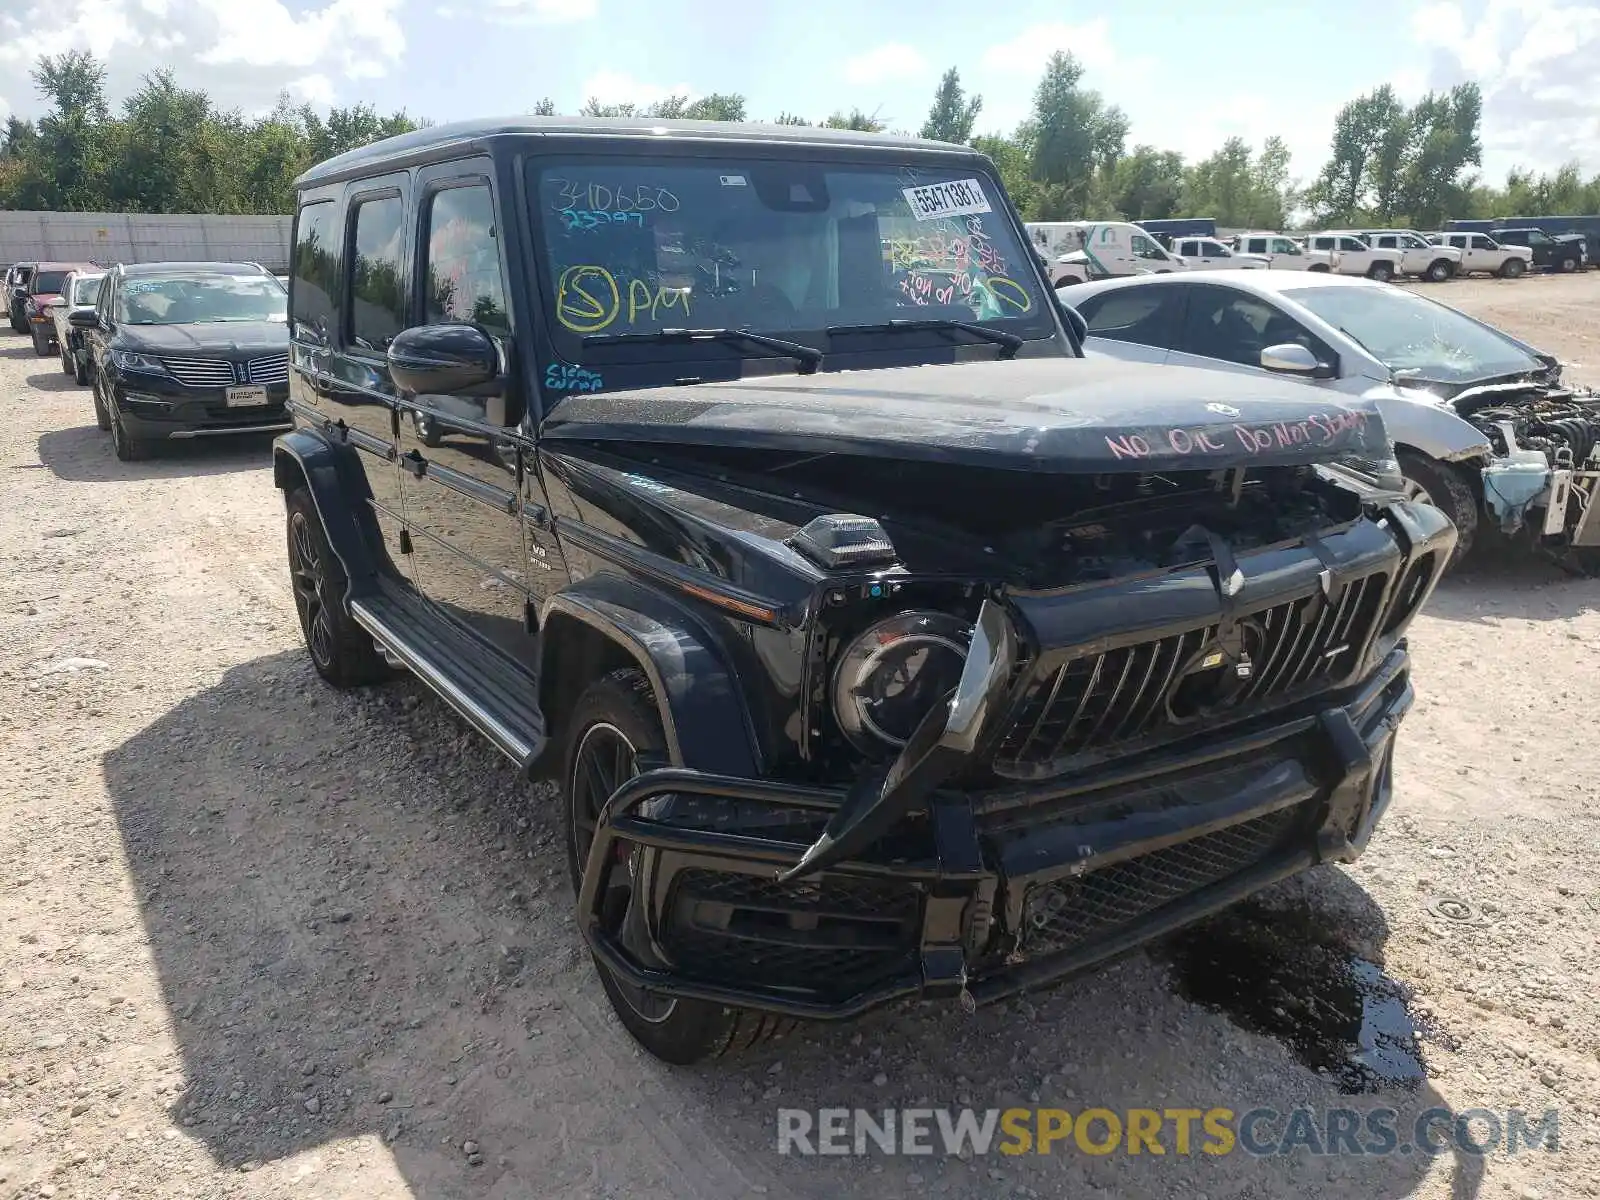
(1418, 256)
(1283, 253)
(1078, 251)
(1352, 256)
(1480, 252)
(1208, 254)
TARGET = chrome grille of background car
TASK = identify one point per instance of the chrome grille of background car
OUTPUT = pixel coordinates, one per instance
(1099, 701)
(274, 368)
(200, 372)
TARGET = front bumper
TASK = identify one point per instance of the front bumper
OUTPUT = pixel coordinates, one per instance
(156, 408)
(986, 894)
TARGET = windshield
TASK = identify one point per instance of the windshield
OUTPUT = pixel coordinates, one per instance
(1416, 337)
(201, 299)
(783, 248)
(48, 283)
(86, 291)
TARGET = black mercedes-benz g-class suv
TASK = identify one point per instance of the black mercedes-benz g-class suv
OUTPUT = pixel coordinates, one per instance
(750, 482)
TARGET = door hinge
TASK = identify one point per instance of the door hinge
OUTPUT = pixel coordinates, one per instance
(405, 541)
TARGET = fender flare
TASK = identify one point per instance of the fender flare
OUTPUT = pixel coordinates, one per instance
(333, 481)
(704, 714)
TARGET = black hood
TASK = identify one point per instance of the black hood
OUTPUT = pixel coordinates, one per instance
(1042, 414)
(226, 337)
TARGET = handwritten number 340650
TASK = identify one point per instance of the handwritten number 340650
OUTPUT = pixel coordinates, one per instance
(599, 198)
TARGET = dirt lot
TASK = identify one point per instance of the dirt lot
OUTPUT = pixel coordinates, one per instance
(261, 939)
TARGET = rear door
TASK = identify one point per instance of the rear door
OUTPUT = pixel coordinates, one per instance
(1136, 323)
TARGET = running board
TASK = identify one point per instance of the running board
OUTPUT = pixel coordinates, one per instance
(497, 698)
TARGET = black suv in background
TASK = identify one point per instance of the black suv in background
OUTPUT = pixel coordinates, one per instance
(186, 350)
(750, 482)
(1555, 251)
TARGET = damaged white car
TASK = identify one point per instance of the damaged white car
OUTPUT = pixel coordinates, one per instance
(1482, 425)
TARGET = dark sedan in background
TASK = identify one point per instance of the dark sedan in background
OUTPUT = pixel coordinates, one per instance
(187, 350)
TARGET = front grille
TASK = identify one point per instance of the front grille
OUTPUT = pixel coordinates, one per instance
(274, 368)
(1066, 913)
(200, 372)
(835, 935)
(1097, 702)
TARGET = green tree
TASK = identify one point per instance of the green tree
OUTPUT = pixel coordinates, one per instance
(1073, 136)
(1146, 184)
(856, 119)
(953, 113)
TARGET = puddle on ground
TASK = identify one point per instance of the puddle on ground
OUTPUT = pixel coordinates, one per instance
(1284, 974)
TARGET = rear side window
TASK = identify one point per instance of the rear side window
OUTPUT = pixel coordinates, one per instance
(377, 292)
(314, 271)
(1140, 314)
(465, 282)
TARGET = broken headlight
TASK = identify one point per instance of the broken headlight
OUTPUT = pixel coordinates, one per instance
(892, 675)
(1371, 471)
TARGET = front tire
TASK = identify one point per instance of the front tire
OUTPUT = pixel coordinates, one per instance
(80, 370)
(127, 447)
(102, 416)
(1380, 271)
(1443, 486)
(41, 345)
(342, 652)
(1568, 264)
(1512, 268)
(612, 729)
(1319, 268)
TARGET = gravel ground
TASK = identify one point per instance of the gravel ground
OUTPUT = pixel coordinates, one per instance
(262, 939)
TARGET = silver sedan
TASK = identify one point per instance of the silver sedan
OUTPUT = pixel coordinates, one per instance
(1429, 368)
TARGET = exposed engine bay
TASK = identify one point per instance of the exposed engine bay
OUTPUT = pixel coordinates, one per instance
(1547, 446)
(1049, 530)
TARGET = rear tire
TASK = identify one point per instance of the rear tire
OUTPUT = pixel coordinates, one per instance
(102, 417)
(613, 726)
(1380, 271)
(1438, 271)
(1513, 268)
(1568, 264)
(1318, 268)
(1443, 486)
(342, 652)
(66, 363)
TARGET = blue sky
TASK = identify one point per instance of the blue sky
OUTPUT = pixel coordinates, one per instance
(1188, 75)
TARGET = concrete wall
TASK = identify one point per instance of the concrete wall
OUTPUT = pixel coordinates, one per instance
(144, 237)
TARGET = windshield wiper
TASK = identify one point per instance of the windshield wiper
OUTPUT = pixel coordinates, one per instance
(809, 357)
(1010, 343)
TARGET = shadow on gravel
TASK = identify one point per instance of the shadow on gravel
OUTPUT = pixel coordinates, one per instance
(1500, 582)
(57, 380)
(362, 928)
(84, 455)
(14, 346)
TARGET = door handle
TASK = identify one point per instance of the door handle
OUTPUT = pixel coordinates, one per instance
(414, 462)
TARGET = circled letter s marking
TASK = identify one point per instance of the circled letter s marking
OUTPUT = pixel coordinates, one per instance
(587, 299)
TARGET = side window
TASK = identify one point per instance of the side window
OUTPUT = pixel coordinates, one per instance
(314, 270)
(377, 305)
(1285, 246)
(1136, 314)
(1183, 249)
(1322, 243)
(1222, 323)
(1212, 250)
(1143, 247)
(1256, 246)
(1462, 241)
(463, 260)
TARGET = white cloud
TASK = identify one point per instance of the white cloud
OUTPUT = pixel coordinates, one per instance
(1535, 61)
(243, 52)
(1089, 43)
(524, 12)
(618, 87)
(888, 63)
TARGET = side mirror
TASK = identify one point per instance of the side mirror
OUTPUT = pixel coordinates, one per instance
(84, 318)
(1073, 318)
(441, 360)
(1291, 358)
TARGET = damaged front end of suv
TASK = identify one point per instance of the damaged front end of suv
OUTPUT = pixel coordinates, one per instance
(1040, 660)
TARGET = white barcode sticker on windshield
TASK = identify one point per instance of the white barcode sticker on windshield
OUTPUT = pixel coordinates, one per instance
(955, 198)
